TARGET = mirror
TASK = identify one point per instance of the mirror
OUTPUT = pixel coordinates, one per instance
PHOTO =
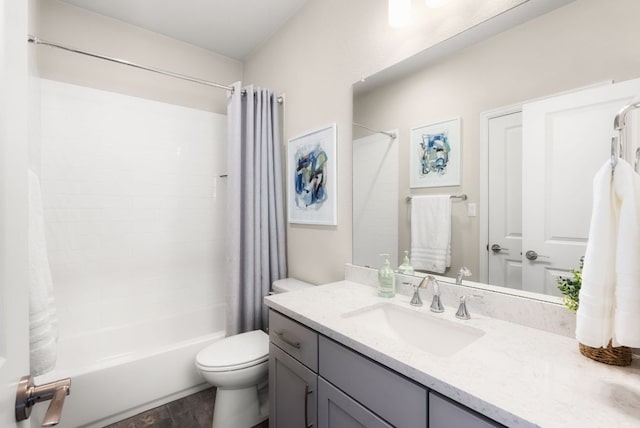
(558, 53)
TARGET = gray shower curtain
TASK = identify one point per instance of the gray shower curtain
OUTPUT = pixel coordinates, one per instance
(256, 237)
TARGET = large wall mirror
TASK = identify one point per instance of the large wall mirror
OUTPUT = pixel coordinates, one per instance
(536, 103)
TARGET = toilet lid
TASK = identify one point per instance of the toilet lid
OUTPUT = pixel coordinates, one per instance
(235, 352)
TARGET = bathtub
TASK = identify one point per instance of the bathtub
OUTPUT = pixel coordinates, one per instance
(118, 373)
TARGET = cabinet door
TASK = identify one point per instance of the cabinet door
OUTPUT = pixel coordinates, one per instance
(292, 391)
(401, 402)
(338, 410)
(444, 413)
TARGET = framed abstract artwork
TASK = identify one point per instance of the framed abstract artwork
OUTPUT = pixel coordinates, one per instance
(311, 177)
(434, 154)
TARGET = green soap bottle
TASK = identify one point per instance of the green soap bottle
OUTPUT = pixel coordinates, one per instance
(386, 279)
(405, 268)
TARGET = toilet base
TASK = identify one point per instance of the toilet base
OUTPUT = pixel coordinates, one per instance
(238, 408)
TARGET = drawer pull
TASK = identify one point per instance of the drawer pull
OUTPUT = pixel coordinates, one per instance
(306, 406)
(287, 341)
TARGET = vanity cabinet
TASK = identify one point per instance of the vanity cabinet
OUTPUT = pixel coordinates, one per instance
(317, 382)
(444, 413)
(337, 410)
(399, 401)
(293, 379)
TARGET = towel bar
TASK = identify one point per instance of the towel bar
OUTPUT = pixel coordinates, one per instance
(462, 197)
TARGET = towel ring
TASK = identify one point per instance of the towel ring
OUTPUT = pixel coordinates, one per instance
(614, 153)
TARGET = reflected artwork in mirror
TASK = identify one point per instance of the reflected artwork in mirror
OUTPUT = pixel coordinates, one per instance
(536, 101)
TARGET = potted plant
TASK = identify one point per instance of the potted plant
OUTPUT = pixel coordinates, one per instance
(570, 288)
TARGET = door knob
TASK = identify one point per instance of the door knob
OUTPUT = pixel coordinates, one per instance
(532, 255)
(28, 394)
(496, 248)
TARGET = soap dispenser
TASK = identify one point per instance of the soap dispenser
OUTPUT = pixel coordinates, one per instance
(405, 268)
(386, 279)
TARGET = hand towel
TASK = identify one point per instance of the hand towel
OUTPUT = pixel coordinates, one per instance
(42, 315)
(626, 184)
(610, 293)
(594, 320)
(431, 232)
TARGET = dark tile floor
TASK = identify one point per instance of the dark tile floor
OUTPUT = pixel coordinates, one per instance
(193, 411)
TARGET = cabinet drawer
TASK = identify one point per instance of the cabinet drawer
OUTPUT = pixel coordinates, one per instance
(295, 339)
(399, 401)
(444, 413)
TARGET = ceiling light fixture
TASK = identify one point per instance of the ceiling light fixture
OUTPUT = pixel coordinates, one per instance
(399, 13)
(435, 3)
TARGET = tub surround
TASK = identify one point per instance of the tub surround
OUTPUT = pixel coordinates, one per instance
(514, 374)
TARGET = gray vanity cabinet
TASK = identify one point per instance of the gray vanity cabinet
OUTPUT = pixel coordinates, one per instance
(317, 382)
(399, 401)
(337, 410)
(292, 391)
(444, 413)
(293, 379)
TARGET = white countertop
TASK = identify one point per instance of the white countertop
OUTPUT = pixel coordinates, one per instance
(518, 376)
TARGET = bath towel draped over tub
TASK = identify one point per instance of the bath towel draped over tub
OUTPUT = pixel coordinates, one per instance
(43, 329)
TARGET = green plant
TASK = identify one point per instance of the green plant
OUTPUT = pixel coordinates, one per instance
(570, 287)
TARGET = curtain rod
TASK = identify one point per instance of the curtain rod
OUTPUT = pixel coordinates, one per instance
(388, 134)
(38, 41)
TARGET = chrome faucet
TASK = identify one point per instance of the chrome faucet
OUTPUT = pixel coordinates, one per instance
(436, 305)
(462, 273)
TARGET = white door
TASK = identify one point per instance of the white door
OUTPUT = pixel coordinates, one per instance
(566, 140)
(505, 200)
(14, 310)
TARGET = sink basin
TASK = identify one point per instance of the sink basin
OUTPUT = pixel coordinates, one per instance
(420, 330)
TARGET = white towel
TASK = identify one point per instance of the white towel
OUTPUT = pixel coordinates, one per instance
(594, 322)
(42, 314)
(431, 232)
(610, 293)
(627, 311)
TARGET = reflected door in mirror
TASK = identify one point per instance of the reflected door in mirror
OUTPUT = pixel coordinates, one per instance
(566, 140)
(505, 200)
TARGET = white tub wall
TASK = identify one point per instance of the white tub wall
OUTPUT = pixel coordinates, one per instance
(135, 209)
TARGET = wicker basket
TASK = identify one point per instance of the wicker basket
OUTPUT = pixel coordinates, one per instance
(615, 356)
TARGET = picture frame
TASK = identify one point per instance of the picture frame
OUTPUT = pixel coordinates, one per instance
(311, 177)
(435, 152)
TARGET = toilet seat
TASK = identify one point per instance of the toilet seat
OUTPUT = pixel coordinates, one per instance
(235, 352)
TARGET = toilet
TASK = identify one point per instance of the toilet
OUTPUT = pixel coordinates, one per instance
(239, 366)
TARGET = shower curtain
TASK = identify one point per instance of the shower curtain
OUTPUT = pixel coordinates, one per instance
(257, 254)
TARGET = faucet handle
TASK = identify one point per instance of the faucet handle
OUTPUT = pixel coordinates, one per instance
(462, 311)
(415, 300)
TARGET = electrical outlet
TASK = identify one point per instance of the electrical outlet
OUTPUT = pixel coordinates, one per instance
(471, 210)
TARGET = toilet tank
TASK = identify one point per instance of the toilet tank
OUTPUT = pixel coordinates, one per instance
(289, 284)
